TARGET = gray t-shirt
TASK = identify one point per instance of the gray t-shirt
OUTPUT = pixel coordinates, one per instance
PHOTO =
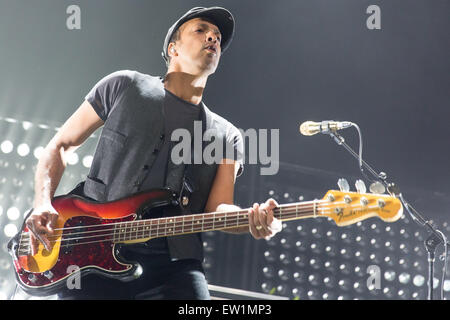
(178, 114)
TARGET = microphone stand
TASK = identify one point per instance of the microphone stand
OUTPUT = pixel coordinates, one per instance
(436, 237)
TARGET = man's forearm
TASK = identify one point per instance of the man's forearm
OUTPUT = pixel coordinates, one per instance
(49, 171)
(234, 230)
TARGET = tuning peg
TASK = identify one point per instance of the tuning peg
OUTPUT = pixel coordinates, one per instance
(343, 185)
(360, 186)
(377, 188)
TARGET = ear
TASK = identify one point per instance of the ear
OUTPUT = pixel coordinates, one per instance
(171, 49)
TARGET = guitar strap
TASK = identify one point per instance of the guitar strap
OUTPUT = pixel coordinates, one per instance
(187, 187)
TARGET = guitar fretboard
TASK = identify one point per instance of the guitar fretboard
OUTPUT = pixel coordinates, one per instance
(172, 226)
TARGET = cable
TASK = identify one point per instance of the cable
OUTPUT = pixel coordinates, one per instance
(15, 291)
(360, 153)
(444, 268)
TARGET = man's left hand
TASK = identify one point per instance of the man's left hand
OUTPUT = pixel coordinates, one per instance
(262, 223)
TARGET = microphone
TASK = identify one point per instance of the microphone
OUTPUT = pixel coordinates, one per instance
(309, 128)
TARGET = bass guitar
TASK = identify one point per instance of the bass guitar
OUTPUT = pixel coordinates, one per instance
(89, 234)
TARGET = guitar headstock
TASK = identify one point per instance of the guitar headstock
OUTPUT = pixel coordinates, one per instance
(346, 207)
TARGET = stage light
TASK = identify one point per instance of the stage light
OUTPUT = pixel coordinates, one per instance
(330, 265)
(389, 260)
(298, 293)
(316, 247)
(404, 234)
(345, 268)
(419, 236)
(404, 248)
(301, 231)
(447, 285)
(208, 245)
(375, 228)
(403, 293)
(315, 263)
(269, 255)
(388, 292)
(268, 271)
(331, 235)
(300, 260)
(389, 275)
(26, 125)
(389, 245)
(72, 159)
(7, 146)
(359, 286)
(283, 274)
(314, 279)
(331, 250)
(87, 161)
(346, 253)
(43, 126)
(10, 230)
(418, 280)
(285, 258)
(344, 284)
(1, 210)
(13, 213)
(38, 152)
(435, 283)
(23, 149)
(345, 238)
(300, 246)
(267, 286)
(404, 278)
(389, 230)
(326, 296)
(329, 282)
(17, 182)
(313, 294)
(299, 276)
(404, 262)
(374, 243)
(282, 289)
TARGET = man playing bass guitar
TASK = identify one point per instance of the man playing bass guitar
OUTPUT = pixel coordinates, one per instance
(139, 113)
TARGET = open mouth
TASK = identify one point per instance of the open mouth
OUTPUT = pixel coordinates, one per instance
(211, 49)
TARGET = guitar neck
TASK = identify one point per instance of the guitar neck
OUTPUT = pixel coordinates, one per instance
(173, 226)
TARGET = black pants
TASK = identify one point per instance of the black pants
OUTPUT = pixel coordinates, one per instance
(161, 279)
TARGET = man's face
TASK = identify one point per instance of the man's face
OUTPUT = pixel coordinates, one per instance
(198, 48)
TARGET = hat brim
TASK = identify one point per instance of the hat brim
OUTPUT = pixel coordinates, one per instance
(221, 17)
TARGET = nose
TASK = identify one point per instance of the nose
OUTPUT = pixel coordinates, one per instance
(211, 36)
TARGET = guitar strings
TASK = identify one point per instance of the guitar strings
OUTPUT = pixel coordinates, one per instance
(25, 248)
(219, 215)
(299, 204)
(286, 215)
(160, 226)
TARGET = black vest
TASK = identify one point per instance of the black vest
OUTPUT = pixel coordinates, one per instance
(128, 146)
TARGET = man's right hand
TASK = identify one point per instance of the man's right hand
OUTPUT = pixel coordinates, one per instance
(41, 223)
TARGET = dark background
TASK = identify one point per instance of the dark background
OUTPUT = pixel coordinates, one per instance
(290, 61)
